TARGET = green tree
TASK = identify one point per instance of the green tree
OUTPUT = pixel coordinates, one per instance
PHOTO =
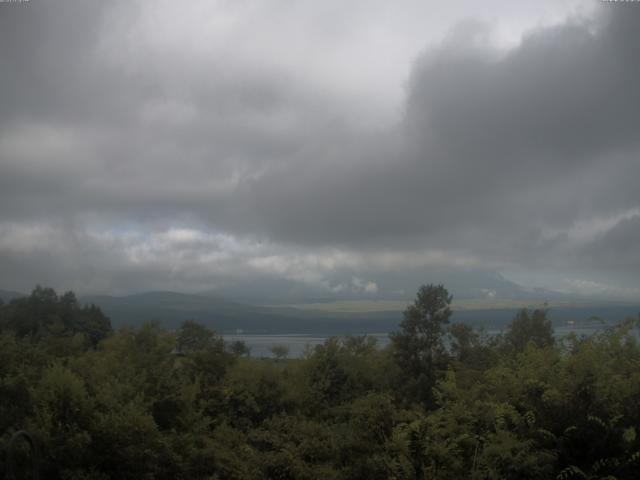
(58, 318)
(90, 321)
(238, 348)
(528, 327)
(194, 336)
(470, 350)
(418, 345)
(326, 376)
(280, 351)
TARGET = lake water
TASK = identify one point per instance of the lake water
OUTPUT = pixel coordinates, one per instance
(260, 345)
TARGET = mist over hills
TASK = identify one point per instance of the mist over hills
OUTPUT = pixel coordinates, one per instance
(256, 305)
(263, 175)
(463, 284)
(171, 309)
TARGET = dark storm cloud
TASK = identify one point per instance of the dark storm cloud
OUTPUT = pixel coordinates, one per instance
(106, 121)
(616, 249)
(136, 129)
(51, 69)
(495, 144)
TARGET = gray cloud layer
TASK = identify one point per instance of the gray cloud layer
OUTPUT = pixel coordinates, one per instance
(134, 154)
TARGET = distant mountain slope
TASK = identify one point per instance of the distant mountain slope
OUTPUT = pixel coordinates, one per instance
(401, 285)
(338, 318)
(224, 316)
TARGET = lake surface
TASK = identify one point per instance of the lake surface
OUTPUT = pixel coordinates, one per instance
(298, 344)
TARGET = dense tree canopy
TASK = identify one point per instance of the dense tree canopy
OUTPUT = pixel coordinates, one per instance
(44, 313)
(148, 403)
(528, 327)
(419, 349)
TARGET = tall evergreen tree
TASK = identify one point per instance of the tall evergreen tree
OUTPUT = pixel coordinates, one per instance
(418, 345)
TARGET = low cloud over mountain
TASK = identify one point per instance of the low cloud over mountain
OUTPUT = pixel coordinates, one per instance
(148, 146)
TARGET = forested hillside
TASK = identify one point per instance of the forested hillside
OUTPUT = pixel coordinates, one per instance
(442, 401)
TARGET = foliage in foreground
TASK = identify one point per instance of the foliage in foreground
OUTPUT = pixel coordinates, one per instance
(440, 402)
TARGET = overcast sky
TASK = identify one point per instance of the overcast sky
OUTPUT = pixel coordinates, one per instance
(185, 145)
